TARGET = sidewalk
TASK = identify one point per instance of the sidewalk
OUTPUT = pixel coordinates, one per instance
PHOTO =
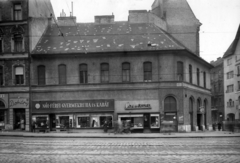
(200, 134)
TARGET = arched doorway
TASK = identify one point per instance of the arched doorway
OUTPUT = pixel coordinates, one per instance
(199, 114)
(191, 113)
(170, 112)
(231, 117)
(3, 115)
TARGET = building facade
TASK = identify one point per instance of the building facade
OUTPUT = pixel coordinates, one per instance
(217, 89)
(86, 73)
(232, 79)
(16, 40)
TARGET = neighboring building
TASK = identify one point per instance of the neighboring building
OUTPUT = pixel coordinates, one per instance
(217, 85)
(16, 40)
(232, 79)
(85, 73)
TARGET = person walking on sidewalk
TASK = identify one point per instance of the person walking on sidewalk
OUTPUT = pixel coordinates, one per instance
(219, 126)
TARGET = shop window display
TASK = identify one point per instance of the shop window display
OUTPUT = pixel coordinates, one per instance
(154, 121)
(93, 121)
(83, 122)
(41, 122)
(135, 120)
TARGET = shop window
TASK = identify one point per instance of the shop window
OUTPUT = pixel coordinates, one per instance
(104, 73)
(1, 75)
(190, 74)
(135, 120)
(204, 79)
(229, 88)
(83, 73)
(93, 120)
(41, 75)
(170, 104)
(62, 74)
(154, 120)
(198, 77)
(180, 71)
(147, 70)
(41, 122)
(126, 72)
(83, 122)
(19, 75)
(17, 12)
(230, 75)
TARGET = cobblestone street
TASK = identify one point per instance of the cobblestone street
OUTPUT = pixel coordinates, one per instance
(196, 150)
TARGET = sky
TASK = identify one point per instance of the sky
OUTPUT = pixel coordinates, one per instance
(220, 18)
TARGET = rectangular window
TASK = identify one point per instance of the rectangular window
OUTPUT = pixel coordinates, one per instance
(93, 120)
(198, 77)
(204, 79)
(147, 70)
(17, 12)
(83, 73)
(1, 45)
(134, 120)
(229, 61)
(229, 88)
(19, 76)
(18, 43)
(230, 75)
(238, 70)
(190, 74)
(41, 75)
(180, 71)
(126, 72)
(239, 89)
(62, 74)
(104, 72)
(1, 75)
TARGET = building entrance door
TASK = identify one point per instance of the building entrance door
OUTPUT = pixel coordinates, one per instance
(52, 122)
(146, 120)
(19, 119)
(199, 120)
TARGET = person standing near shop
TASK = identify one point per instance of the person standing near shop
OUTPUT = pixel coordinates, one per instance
(219, 126)
(22, 124)
(105, 126)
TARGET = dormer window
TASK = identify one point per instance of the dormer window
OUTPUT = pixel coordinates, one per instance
(17, 12)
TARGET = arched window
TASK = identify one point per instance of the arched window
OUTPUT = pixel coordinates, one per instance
(83, 73)
(41, 75)
(170, 104)
(2, 105)
(126, 72)
(1, 75)
(190, 74)
(180, 71)
(199, 103)
(104, 72)
(62, 74)
(198, 77)
(147, 71)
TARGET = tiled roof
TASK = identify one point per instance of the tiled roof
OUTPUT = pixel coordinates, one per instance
(233, 46)
(113, 37)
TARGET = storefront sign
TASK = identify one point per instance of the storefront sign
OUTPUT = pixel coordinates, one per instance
(81, 105)
(130, 106)
(19, 103)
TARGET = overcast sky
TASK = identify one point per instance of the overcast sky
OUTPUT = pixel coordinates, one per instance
(220, 18)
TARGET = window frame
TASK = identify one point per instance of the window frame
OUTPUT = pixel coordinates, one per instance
(228, 88)
(15, 76)
(198, 77)
(126, 72)
(104, 73)
(147, 74)
(229, 61)
(17, 38)
(62, 76)
(43, 80)
(84, 73)
(180, 71)
(20, 14)
(1, 75)
(190, 74)
(204, 80)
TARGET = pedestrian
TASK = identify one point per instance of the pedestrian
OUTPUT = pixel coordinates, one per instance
(22, 124)
(219, 126)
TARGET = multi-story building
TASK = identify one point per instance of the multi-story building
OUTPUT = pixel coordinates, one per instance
(232, 79)
(22, 23)
(85, 73)
(217, 85)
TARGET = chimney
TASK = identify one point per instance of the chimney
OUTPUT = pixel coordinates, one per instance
(138, 16)
(104, 19)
